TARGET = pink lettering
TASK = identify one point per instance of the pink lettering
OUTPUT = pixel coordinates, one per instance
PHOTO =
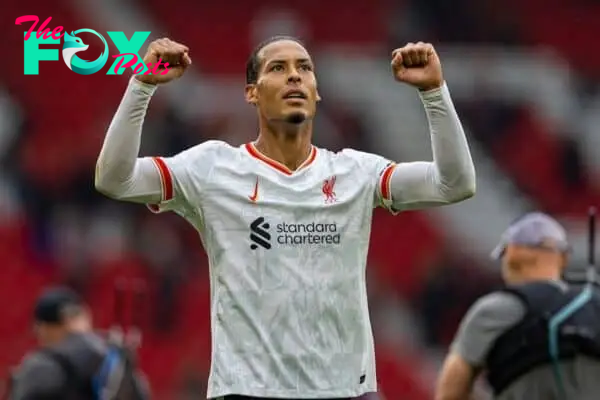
(152, 69)
(148, 71)
(155, 70)
(165, 69)
(138, 69)
(28, 18)
(128, 64)
(57, 31)
(43, 30)
(48, 34)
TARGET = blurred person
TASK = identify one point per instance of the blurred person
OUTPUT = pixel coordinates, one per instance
(73, 362)
(506, 333)
(285, 224)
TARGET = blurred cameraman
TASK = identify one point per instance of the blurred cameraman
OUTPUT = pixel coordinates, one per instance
(538, 338)
(73, 362)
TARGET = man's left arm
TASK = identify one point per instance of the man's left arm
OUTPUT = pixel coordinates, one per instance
(450, 177)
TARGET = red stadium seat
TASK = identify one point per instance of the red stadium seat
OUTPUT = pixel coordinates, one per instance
(222, 48)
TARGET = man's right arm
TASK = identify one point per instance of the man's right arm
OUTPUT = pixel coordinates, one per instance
(120, 173)
(39, 378)
(162, 183)
(485, 321)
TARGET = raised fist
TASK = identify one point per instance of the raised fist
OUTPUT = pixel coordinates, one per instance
(418, 65)
(167, 60)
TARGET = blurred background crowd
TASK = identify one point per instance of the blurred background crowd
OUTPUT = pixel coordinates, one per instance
(524, 77)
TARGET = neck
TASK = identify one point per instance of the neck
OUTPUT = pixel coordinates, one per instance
(79, 326)
(539, 273)
(288, 144)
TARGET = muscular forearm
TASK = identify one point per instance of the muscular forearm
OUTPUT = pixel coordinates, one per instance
(451, 176)
(456, 379)
(120, 173)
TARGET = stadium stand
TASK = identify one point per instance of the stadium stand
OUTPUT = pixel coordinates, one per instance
(62, 231)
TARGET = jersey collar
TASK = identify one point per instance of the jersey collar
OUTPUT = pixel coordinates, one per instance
(253, 151)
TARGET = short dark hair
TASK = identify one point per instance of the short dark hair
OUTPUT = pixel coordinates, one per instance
(254, 62)
(57, 303)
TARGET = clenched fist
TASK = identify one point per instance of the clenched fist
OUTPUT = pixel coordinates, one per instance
(418, 65)
(173, 57)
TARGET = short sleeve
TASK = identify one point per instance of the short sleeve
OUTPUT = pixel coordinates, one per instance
(379, 171)
(486, 320)
(183, 177)
(39, 377)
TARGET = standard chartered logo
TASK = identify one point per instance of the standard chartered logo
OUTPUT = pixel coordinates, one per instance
(259, 234)
(311, 233)
(287, 234)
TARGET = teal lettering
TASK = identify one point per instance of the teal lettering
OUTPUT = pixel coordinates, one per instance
(128, 46)
(33, 53)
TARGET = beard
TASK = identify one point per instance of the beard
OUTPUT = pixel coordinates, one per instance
(295, 118)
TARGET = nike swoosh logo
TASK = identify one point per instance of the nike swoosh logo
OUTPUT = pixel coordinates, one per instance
(254, 196)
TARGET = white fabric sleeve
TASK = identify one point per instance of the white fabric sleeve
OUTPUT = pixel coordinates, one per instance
(120, 174)
(185, 177)
(450, 178)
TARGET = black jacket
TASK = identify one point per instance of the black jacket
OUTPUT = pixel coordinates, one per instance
(63, 372)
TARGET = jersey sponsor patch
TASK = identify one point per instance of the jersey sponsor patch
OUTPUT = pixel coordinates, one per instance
(287, 234)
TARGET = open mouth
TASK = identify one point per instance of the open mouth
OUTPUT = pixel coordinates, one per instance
(295, 95)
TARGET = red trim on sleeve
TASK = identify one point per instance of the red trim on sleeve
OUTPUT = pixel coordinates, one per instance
(165, 177)
(385, 182)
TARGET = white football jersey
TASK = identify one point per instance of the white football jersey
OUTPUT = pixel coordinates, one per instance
(287, 253)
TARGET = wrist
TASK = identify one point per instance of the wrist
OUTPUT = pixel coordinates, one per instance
(146, 87)
(431, 87)
(434, 94)
(145, 79)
